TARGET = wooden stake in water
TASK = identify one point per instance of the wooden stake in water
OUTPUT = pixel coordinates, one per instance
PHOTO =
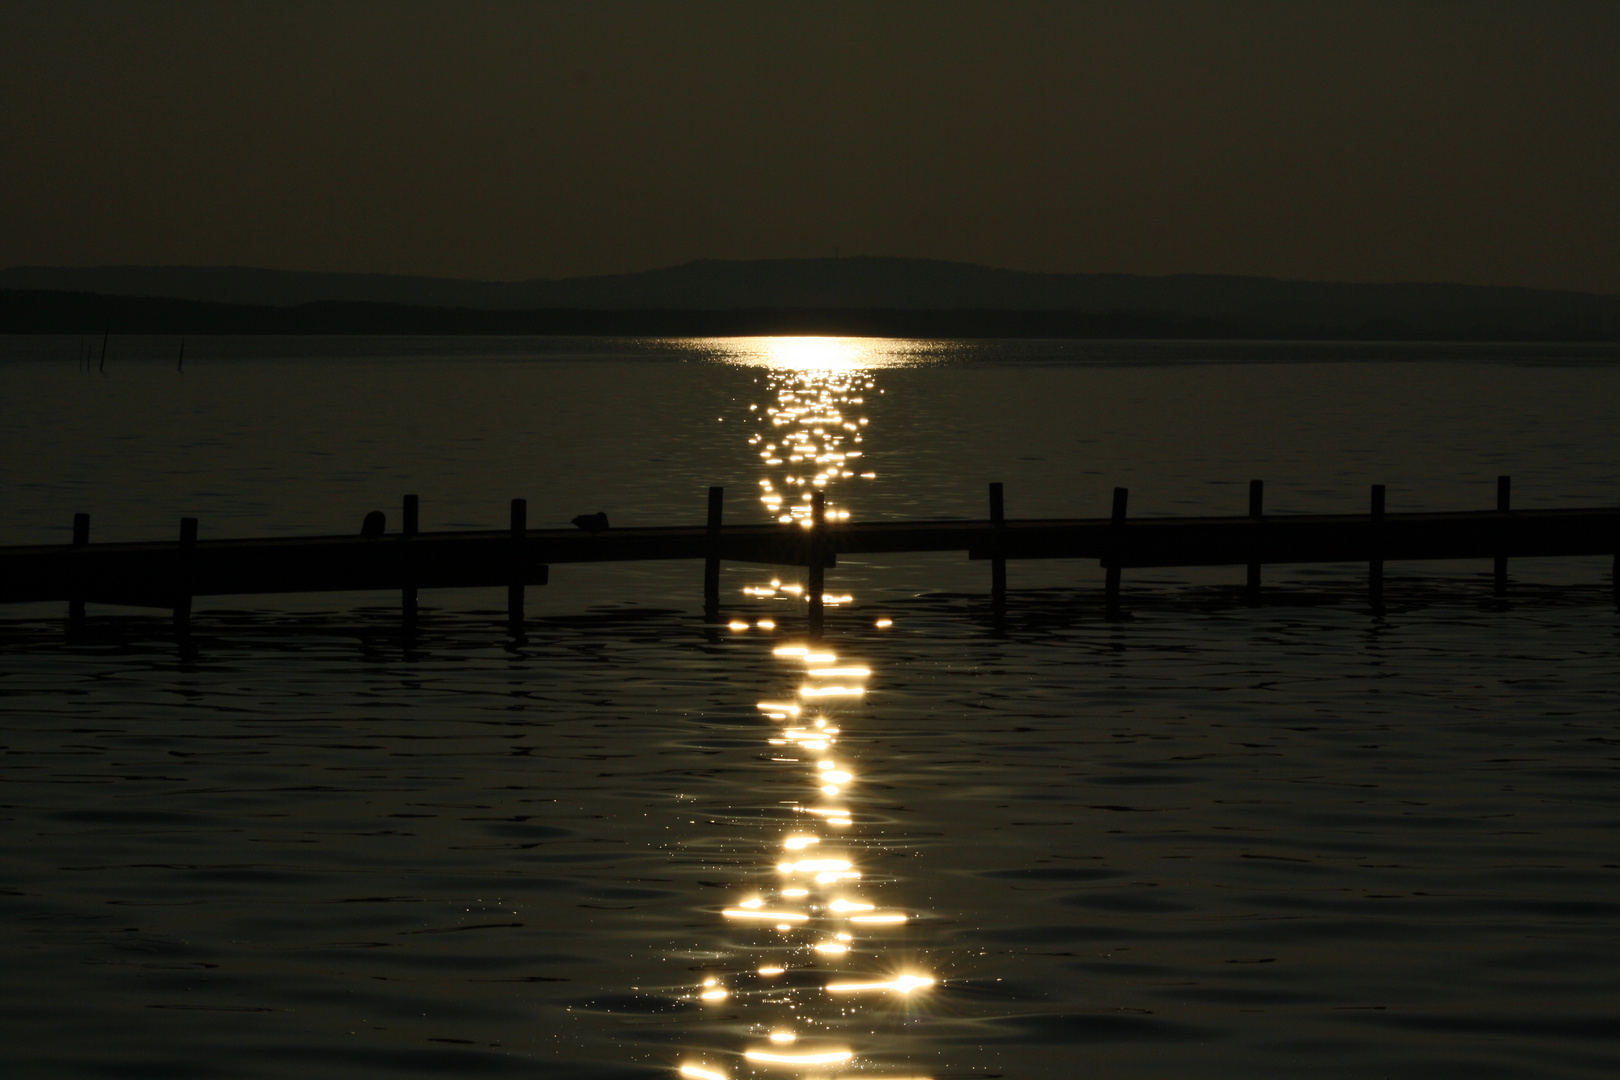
(1504, 493)
(514, 590)
(106, 333)
(182, 575)
(711, 561)
(408, 529)
(998, 564)
(817, 584)
(1257, 498)
(81, 538)
(1614, 570)
(1375, 564)
(1116, 552)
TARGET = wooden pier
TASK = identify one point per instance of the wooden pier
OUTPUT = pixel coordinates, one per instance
(168, 575)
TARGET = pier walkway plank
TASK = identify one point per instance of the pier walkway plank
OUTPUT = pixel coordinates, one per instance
(156, 573)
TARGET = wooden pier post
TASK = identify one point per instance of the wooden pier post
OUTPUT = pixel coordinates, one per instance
(817, 583)
(1504, 491)
(160, 574)
(998, 565)
(182, 575)
(81, 538)
(1116, 551)
(1375, 565)
(514, 588)
(711, 560)
(408, 528)
(1257, 494)
(1614, 570)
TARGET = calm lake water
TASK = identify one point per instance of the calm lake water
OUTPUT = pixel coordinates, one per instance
(1301, 839)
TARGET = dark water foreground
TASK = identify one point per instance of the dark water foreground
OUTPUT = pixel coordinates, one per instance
(1296, 840)
(1300, 840)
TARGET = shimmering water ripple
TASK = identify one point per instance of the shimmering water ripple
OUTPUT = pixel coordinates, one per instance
(1210, 841)
(1142, 848)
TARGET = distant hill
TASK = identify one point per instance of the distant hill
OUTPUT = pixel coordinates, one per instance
(32, 311)
(1248, 304)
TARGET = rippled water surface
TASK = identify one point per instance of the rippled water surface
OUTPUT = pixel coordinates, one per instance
(1299, 839)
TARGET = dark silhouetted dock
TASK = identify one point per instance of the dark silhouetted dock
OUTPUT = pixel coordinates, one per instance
(168, 575)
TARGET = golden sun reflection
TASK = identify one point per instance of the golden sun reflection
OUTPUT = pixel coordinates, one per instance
(903, 984)
(825, 1057)
(831, 691)
(807, 431)
(821, 950)
(776, 916)
(810, 352)
(817, 354)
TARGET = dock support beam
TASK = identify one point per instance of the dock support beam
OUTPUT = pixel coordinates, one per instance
(182, 575)
(1504, 494)
(407, 595)
(1257, 498)
(711, 561)
(1116, 551)
(514, 589)
(1614, 571)
(998, 565)
(81, 538)
(1375, 565)
(816, 586)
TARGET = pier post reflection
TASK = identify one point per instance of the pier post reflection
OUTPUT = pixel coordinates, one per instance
(816, 586)
(81, 538)
(409, 528)
(998, 565)
(711, 563)
(514, 591)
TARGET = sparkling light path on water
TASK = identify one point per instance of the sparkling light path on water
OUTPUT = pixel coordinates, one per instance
(808, 939)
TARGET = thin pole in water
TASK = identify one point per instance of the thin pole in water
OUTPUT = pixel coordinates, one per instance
(106, 333)
(1116, 551)
(180, 365)
(408, 529)
(711, 560)
(1257, 498)
(817, 577)
(1504, 501)
(81, 538)
(514, 590)
(182, 575)
(1375, 564)
(998, 564)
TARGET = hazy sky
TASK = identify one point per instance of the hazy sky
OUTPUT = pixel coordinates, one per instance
(1474, 141)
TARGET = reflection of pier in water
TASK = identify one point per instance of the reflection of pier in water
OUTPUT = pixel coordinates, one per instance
(810, 977)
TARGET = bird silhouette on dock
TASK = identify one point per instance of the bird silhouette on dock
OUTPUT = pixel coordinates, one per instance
(592, 523)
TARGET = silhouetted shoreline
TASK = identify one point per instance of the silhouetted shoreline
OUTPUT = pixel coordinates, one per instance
(29, 311)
